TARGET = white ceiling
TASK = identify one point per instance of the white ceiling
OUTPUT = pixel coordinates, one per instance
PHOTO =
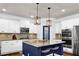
(29, 9)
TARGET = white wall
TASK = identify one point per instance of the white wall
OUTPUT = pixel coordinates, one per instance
(57, 27)
(40, 28)
(70, 21)
(66, 22)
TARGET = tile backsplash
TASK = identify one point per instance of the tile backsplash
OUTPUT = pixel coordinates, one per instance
(8, 36)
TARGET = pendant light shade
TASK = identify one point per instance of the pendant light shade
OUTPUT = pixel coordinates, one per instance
(49, 22)
(37, 18)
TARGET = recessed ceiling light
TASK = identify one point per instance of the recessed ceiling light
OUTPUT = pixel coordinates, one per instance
(63, 10)
(4, 9)
(32, 16)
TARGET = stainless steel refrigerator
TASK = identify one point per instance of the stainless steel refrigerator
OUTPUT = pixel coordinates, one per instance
(76, 40)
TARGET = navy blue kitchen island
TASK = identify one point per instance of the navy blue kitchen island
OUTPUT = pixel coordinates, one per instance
(35, 48)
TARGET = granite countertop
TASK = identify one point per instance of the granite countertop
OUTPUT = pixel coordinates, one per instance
(39, 43)
(9, 40)
(15, 39)
(6, 40)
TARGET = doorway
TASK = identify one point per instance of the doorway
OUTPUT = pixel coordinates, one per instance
(46, 32)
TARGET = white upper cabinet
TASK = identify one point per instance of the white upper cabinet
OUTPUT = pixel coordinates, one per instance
(27, 23)
(13, 26)
(3, 25)
(9, 26)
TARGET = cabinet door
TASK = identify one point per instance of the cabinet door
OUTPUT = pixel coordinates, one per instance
(11, 46)
(5, 47)
(17, 45)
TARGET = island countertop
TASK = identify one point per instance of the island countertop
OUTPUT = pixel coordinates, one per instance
(40, 43)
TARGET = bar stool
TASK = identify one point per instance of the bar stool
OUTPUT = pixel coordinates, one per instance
(54, 50)
(45, 52)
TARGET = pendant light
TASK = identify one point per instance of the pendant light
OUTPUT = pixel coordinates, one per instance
(37, 18)
(49, 22)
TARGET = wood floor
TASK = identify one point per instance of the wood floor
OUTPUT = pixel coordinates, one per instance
(20, 54)
(68, 54)
(14, 54)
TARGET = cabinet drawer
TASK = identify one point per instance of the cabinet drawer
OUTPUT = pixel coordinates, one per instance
(11, 42)
(11, 46)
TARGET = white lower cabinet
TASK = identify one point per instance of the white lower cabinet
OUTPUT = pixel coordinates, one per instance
(11, 46)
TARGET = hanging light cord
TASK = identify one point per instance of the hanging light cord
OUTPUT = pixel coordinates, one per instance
(49, 13)
(37, 9)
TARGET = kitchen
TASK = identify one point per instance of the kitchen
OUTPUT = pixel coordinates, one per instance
(17, 27)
